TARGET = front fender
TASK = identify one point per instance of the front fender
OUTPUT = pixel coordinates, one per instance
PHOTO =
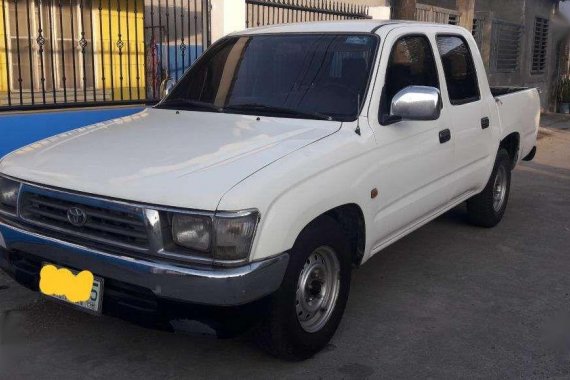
(300, 187)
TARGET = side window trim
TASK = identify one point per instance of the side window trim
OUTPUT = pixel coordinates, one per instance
(383, 118)
(473, 99)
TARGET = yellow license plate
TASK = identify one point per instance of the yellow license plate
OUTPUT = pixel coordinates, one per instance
(80, 289)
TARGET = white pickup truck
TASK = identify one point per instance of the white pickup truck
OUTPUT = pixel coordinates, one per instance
(285, 156)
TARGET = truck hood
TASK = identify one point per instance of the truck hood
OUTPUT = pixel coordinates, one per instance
(164, 157)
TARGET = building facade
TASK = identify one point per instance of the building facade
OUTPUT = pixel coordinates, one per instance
(522, 44)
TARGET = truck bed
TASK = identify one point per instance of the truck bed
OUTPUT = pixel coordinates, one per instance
(519, 112)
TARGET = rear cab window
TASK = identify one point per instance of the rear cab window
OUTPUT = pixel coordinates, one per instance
(459, 69)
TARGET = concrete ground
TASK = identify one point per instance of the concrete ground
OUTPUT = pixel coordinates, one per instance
(448, 301)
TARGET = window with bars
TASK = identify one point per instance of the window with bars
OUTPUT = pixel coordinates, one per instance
(540, 45)
(506, 45)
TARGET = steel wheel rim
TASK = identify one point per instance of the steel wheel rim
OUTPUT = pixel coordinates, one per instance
(500, 188)
(317, 289)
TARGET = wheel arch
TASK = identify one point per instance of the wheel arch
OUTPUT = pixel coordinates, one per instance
(351, 220)
(511, 143)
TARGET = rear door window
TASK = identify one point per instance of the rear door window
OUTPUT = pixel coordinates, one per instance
(459, 68)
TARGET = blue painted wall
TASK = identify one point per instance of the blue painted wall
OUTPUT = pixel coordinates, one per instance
(184, 61)
(19, 129)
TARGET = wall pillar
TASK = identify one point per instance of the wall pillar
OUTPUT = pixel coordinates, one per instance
(467, 9)
(227, 16)
(403, 9)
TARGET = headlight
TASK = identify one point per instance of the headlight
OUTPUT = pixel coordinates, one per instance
(9, 194)
(234, 234)
(225, 236)
(192, 231)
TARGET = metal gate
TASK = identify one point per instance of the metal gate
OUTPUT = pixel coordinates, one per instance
(61, 53)
(269, 12)
(177, 32)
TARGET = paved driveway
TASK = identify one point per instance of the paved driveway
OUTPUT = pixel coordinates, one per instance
(448, 301)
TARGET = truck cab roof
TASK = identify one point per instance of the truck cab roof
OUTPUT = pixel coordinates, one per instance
(350, 26)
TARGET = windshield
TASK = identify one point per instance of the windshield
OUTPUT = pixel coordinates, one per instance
(323, 76)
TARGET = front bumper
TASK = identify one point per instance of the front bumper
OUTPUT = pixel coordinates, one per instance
(208, 285)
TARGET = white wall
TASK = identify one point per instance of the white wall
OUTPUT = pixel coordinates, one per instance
(227, 16)
(379, 13)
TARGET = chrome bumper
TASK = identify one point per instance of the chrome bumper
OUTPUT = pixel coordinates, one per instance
(210, 286)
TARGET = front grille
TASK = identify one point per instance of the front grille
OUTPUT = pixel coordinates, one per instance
(106, 223)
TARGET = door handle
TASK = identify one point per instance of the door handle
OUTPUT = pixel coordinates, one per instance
(444, 136)
(485, 123)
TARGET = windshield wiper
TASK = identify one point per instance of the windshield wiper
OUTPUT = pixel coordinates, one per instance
(275, 109)
(188, 104)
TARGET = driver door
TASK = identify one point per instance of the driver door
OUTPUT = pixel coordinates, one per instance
(412, 161)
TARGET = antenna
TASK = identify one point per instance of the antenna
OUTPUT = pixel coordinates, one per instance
(357, 130)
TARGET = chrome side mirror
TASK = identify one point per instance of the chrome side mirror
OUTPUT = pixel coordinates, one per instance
(417, 103)
(166, 87)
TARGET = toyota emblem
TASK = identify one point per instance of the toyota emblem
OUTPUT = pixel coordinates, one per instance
(76, 216)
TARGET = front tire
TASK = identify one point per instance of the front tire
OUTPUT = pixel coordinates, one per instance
(487, 208)
(306, 310)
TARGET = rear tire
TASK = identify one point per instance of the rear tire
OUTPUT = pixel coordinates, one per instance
(487, 208)
(306, 310)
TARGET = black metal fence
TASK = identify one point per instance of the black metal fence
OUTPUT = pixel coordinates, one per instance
(65, 53)
(269, 12)
(177, 34)
(56, 53)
